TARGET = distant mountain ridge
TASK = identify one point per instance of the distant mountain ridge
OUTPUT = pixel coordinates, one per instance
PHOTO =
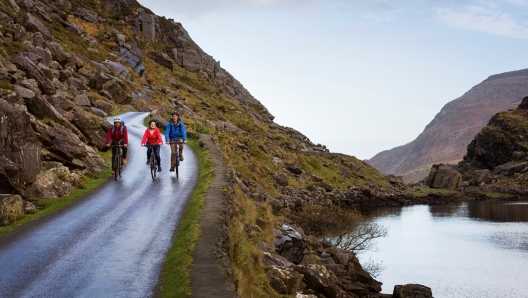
(446, 137)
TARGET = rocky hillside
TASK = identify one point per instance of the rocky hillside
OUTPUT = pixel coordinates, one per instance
(445, 138)
(496, 159)
(65, 65)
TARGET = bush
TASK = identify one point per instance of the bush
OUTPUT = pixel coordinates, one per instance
(345, 228)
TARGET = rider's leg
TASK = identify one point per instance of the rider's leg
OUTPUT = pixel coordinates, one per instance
(125, 150)
(113, 154)
(149, 151)
(157, 154)
(173, 145)
(181, 151)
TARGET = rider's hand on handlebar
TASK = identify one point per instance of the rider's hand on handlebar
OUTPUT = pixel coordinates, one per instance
(107, 145)
(125, 145)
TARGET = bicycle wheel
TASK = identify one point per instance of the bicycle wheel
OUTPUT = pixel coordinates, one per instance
(176, 167)
(116, 165)
(153, 166)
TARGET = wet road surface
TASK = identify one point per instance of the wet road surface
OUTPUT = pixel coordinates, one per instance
(110, 244)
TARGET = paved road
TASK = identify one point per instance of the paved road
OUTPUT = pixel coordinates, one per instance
(110, 244)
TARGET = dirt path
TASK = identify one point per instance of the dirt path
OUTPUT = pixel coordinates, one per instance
(207, 274)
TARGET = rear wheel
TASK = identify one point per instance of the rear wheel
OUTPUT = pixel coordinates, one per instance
(153, 166)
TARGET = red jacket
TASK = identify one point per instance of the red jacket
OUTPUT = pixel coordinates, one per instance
(117, 135)
(153, 139)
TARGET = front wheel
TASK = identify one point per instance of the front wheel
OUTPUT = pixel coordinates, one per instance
(176, 167)
(153, 166)
(117, 166)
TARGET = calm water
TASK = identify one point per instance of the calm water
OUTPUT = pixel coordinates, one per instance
(467, 249)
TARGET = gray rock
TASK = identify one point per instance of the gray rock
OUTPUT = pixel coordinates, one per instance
(117, 91)
(412, 291)
(87, 15)
(319, 279)
(104, 105)
(164, 60)
(289, 244)
(33, 24)
(48, 185)
(148, 26)
(443, 176)
(23, 150)
(65, 147)
(32, 71)
(91, 129)
(281, 179)
(284, 281)
(480, 176)
(82, 100)
(15, 205)
(294, 169)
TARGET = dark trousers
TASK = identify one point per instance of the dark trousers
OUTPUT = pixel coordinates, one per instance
(156, 152)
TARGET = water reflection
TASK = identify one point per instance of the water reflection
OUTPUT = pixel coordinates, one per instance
(499, 211)
(463, 249)
(496, 211)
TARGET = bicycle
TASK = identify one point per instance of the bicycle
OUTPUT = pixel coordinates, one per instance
(177, 163)
(153, 163)
(118, 160)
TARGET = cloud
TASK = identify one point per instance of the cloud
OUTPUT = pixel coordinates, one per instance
(197, 8)
(492, 19)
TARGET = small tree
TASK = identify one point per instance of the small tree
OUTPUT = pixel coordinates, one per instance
(345, 228)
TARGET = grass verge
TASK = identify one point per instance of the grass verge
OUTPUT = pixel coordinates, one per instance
(50, 206)
(175, 277)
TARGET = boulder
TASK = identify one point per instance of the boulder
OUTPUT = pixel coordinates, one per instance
(34, 24)
(48, 185)
(444, 176)
(319, 279)
(284, 281)
(91, 129)
(11, 176)
(480, 176)
(281, 179)
(32, 71)
(62, 145)
(82, 100)
(412, 291)
(104, 105)
(15, 205)
(117, 91)
(23, 150)
(42, 109)
(87, 15)
(164, 60)
(289, 244)
(192, 61)
(294, 169)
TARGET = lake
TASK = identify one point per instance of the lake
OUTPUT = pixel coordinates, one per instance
(463, 249)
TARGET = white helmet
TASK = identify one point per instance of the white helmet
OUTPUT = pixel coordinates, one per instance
(117, 120)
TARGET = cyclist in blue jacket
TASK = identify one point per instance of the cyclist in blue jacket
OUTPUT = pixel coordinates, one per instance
(175, 135)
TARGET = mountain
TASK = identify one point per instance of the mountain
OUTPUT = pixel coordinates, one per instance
(445, 138)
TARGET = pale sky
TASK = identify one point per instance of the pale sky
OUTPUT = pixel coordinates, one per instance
(357, 76)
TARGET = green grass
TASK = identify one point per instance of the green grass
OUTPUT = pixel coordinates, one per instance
(175, 277)
(50, 206)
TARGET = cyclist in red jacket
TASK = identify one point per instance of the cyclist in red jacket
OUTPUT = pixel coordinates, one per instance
(152, 139)
(117, 134)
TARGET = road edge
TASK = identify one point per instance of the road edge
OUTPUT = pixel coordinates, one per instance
(208, 272)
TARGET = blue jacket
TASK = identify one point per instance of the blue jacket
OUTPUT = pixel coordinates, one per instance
(175, 132)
